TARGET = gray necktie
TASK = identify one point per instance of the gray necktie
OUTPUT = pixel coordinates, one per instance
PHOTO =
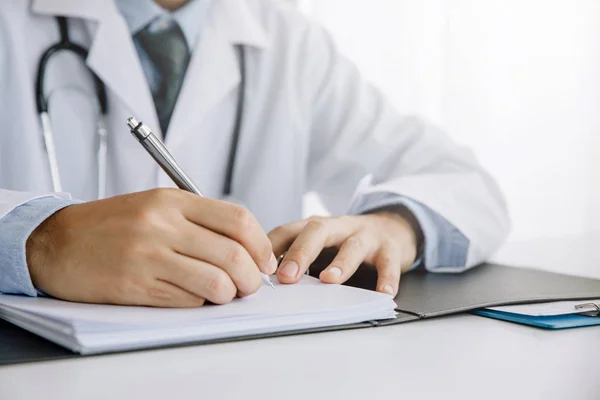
(167, 49)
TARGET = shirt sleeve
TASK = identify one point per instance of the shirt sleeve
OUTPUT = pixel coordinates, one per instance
(444, 245)
(15, 229)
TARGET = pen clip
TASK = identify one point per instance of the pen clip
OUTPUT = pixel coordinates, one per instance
(594, 313)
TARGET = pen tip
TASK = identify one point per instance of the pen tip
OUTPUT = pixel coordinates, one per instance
(268, 280)
(132, 122)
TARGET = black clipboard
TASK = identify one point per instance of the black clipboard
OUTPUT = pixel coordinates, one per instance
(422, 295)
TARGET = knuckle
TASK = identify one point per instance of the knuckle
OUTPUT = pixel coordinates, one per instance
(220, 288)
(340, 261)
(298, 252)
(251, 285)
(160, 201)
(281, 235)
(389, 272)
(385, 260)
(155, 255)
(217, 284)
(235, 256)
(129, 250)
(316, 224)
(346, 219)
(242, 219)
(146, 217)
(356, 243)
(160, 195)
(387, 243)
(280, 231)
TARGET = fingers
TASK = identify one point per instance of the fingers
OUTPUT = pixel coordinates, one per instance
(230, 256)
(353, 252)
(235, 222)
(389, 269)
(316, 235)
(199, 278)
(283, 236)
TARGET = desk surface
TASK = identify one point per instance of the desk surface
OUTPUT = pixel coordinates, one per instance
(458, 357)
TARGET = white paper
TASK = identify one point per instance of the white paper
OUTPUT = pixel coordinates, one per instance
(548, 309)
(91, 328)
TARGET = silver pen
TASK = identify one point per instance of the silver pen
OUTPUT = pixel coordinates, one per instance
(163, 157)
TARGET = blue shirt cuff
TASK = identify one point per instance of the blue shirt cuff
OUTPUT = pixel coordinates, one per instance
(15, 229)
(444, 245)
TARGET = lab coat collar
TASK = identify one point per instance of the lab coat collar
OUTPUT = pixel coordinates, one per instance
(239, 23)
(112, 54)
(89, 9)
(113, 57)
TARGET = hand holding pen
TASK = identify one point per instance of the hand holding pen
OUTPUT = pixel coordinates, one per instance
(160, 248)
(167, 162)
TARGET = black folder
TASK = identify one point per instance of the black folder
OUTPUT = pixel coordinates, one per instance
(422, 295)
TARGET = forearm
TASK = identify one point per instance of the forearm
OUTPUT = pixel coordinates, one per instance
(15, 229)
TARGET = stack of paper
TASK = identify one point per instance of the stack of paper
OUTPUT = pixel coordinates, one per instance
(90, 328)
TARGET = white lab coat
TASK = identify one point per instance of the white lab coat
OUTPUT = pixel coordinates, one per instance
(311, 123)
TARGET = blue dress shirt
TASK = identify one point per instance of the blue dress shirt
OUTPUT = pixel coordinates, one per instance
(445, 245)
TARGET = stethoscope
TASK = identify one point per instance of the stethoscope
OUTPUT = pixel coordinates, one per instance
(65, 44)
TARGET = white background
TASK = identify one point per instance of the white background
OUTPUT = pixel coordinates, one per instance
(516, 80)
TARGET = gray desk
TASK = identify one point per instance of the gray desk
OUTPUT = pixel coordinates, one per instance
(460, 357)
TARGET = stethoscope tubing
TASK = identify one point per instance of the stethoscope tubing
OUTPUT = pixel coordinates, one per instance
(65, 44)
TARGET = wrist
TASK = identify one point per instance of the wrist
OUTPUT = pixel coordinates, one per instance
(411, 224)
(39, 248)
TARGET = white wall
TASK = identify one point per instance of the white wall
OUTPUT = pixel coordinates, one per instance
(516, 80)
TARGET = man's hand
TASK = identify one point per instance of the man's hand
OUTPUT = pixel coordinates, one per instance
(163, 247)
(389, 241)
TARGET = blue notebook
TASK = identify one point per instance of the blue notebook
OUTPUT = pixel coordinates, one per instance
(545, 321)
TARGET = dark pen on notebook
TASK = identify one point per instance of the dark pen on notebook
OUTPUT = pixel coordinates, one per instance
(155, 147)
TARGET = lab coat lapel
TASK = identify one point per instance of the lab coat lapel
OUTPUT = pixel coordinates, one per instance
(112, 54)
(115, 60)
(214, 70)
(212, 73)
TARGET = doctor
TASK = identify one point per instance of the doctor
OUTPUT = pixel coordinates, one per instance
(401, 193)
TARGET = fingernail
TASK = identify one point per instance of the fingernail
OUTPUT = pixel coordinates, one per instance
(335, 271)
(388, 289)
(290, 269)
(272, 265)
